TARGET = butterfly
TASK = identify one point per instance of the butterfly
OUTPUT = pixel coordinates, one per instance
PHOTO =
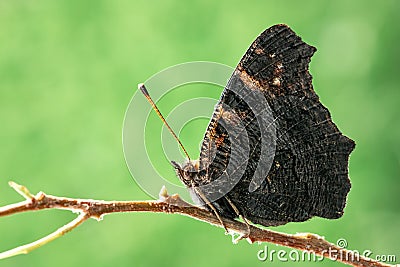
(271, 153)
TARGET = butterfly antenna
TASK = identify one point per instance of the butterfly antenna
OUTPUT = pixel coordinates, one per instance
(147, 95)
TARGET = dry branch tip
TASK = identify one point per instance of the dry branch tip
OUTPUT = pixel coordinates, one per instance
(22, 190)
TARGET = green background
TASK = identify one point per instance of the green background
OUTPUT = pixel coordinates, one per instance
(69, 68)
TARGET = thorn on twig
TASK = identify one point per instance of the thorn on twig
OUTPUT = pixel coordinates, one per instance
(174, 200)
(163, 193)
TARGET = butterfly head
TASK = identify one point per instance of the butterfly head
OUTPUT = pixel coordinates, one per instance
(188, 172)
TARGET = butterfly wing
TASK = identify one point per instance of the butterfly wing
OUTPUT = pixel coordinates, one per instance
(292, 163)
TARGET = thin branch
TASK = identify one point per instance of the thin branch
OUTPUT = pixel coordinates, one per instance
(96, 209)
(22, 190)
(38, 243)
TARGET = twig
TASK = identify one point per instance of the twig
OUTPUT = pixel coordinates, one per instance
(38, 243)
(88, 208)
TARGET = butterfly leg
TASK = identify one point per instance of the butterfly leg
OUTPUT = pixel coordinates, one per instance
(212, 207)
(247, 233)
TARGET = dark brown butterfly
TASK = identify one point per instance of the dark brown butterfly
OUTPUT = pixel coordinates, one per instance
(271, 152)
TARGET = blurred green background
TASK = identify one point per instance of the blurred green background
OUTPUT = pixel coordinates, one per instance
(68, 70)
